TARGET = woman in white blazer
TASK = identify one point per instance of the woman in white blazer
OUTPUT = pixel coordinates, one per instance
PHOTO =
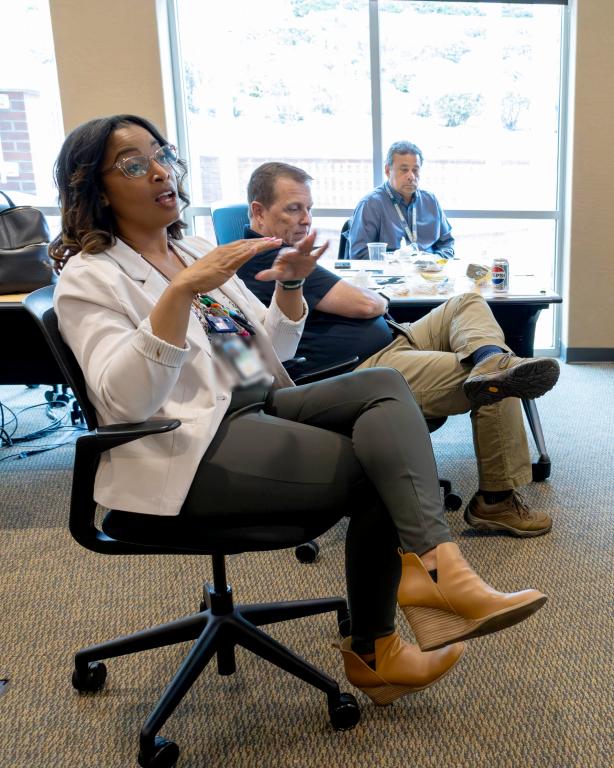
(161, 326)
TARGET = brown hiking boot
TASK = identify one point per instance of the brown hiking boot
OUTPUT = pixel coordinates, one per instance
(511, 515)
(506, 375)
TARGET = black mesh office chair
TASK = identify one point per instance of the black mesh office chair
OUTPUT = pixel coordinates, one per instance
(219, 625)
(344, 242)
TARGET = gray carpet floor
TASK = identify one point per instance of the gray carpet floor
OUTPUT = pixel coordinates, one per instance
(539, 694)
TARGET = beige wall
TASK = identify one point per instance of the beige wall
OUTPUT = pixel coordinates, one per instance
(108, 55)
(589, 276)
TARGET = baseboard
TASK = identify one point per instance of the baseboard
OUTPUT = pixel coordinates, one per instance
(587, 354)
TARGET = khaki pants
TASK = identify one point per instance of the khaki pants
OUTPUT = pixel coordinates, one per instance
(434, 361)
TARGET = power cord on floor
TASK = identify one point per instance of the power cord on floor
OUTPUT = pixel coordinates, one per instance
(41, 448)
(9, 426)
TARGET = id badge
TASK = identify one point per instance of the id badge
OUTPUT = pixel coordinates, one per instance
(221, 324)
(244, 359)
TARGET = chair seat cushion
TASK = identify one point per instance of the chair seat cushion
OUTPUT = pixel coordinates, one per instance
(209, 535)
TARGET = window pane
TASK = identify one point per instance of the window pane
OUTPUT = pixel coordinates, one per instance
(329, 228)
(476, 87)
(283, 80)
(203, 226)
(31, 129)
(528, 244)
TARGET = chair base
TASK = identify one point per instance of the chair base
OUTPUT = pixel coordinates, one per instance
(216, 631)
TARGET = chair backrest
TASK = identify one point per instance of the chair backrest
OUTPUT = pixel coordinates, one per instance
(128, 533)
(40, 305)
(229, 222)
(344, 242)
(5, 201)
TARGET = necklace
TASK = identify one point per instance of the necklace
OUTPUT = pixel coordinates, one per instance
(205, 308)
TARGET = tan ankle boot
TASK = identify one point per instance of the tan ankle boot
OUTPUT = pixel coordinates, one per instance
(400, 668)
(459, 605)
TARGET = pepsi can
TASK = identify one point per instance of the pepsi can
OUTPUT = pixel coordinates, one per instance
(500, 275)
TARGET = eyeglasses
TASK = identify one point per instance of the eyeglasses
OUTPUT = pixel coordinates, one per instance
(138, 165)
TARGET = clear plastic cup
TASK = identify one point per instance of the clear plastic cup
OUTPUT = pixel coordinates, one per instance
(377, 251)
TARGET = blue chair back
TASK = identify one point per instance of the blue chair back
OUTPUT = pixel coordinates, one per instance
(229, 222)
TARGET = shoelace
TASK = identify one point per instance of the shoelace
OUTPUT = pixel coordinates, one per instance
(504, 360)
(517, 501)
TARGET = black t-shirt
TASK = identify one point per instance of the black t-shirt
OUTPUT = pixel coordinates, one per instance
(327, 339)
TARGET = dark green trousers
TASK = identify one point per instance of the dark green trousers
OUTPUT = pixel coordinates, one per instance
(356, 442)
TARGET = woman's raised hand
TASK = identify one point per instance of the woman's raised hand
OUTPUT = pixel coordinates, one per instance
(220, 264)
(294, 263)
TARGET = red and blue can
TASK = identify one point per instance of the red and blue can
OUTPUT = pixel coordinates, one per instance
(500, 274)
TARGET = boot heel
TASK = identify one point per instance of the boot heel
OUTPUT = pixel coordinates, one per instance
(434, 628)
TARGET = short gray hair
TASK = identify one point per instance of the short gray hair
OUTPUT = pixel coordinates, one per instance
(261, 185)
(403, 148)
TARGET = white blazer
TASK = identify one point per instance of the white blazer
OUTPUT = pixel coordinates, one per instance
(103, 303)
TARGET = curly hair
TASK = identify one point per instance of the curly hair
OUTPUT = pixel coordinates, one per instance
(87, 224)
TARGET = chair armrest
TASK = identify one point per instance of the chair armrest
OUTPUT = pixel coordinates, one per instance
(325, 373)
(87, 456)
(117, 434)
(293, 365)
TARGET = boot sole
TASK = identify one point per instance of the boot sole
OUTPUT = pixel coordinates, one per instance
(435, 628)
(529, 380)
(386, 694)
(489, 525)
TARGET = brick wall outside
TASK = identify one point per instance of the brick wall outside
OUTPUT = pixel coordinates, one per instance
(338, 182)
(15, 142)
(210, 178)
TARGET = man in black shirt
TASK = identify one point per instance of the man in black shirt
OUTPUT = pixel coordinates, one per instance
(455, 358)
(343, 320)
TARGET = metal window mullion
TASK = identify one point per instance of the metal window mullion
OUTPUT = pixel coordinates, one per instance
(183, 145)
(561, 191)
(466, 213)
(376, 92)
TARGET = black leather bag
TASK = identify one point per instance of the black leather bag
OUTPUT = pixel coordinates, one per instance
(24, 261)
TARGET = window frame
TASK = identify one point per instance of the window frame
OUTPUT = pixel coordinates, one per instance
(557, 213)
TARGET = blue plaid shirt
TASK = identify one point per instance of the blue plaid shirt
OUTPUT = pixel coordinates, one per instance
(376, 220)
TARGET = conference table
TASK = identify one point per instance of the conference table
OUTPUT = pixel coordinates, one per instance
(27, 360)
(411, 297)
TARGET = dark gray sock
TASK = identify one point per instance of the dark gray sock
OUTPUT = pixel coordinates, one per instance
(494, 497)
(481, 353)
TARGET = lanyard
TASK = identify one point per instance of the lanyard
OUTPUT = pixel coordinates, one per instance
(213, 316)
(412, 233)
(212, 308)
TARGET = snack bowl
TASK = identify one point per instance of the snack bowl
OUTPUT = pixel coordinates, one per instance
(431, 270)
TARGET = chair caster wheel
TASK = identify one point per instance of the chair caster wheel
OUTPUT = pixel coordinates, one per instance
(540, 471)
(453, 501)
(92, 679)
(307, 552)
(165, 755)
(344, 714)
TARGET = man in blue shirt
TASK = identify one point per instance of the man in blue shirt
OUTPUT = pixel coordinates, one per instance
(398, 210)
(454, 359)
